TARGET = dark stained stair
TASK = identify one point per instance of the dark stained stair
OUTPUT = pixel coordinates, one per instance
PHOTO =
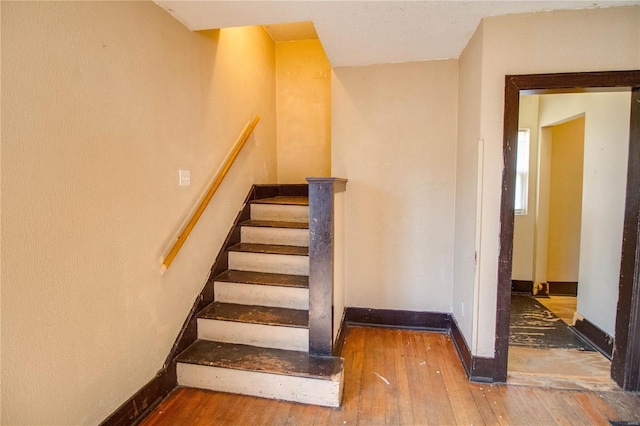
(260, 278)
(284, 201)
(254, 338)
(275, 224)
(276, 361)
(270, 249)
(255, 314)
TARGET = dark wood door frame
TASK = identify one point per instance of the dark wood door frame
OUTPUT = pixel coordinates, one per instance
(625, 366)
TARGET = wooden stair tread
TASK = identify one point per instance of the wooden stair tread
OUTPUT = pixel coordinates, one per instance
(256, 314)
(266, 360)
(283, 200)
(270, 249)
(275, 224)
(263, 278)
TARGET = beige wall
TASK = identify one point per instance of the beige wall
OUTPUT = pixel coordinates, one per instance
(539, 43)
(468, 209)
(541, 230)
(303, 81)
(393, 137)
(524, 225)
(565, 200)
(102, 104)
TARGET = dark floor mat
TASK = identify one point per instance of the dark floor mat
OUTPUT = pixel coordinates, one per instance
(534, 326)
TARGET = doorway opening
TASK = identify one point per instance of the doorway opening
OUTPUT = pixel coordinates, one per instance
(545, 345)
(625, 367)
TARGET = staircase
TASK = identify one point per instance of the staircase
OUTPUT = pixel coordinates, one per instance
(254, 338)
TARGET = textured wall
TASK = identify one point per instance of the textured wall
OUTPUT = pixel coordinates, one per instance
(102, 103)
(303, 81)
(394, 138)
(565, 200)
(469, 156)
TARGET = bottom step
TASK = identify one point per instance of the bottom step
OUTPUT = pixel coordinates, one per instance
(263, 372)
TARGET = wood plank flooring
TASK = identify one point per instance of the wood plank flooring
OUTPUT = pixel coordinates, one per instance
(404, 377)
(560, 368)
(563, 306)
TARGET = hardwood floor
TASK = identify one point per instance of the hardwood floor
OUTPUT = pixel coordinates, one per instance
(560, 368)
(563, 306)
(404, 377)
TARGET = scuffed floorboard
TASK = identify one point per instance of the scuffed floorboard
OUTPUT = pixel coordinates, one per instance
(424, 383)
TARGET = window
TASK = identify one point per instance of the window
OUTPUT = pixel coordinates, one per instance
(522, 172)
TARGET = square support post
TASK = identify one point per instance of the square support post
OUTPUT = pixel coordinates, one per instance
(321, 262)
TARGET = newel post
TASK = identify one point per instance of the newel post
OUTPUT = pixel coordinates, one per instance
(321, 261)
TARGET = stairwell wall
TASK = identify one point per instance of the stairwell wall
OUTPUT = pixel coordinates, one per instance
(303, 83)
(394, 138)
(102, 103)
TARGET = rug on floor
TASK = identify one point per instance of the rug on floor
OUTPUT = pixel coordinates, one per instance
(533, 325)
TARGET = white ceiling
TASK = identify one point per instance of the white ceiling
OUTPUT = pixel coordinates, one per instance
(370, 32)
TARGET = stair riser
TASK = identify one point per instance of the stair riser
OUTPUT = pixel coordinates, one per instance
(266, 336)
(262, 295)
(277, 236)
(281, 213)
(265, 385)
(270, 263)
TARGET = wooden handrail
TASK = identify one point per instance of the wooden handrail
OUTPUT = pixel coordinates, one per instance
(248, 129)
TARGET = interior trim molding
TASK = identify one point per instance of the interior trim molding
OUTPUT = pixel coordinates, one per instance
(563, 288)
(435, 321)
(478, 369)
(522, 286)
(597, 337)
(142, 403)
(342, 335)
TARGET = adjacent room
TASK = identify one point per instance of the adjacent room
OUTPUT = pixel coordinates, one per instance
(570, 198)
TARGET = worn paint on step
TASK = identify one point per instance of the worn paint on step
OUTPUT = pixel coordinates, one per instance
(283, 200)
(255, 314)
(270, 249)
(277, 361)
(275, 224)
(261, 278)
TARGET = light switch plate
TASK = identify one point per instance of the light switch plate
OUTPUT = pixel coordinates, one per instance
(184, 177)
